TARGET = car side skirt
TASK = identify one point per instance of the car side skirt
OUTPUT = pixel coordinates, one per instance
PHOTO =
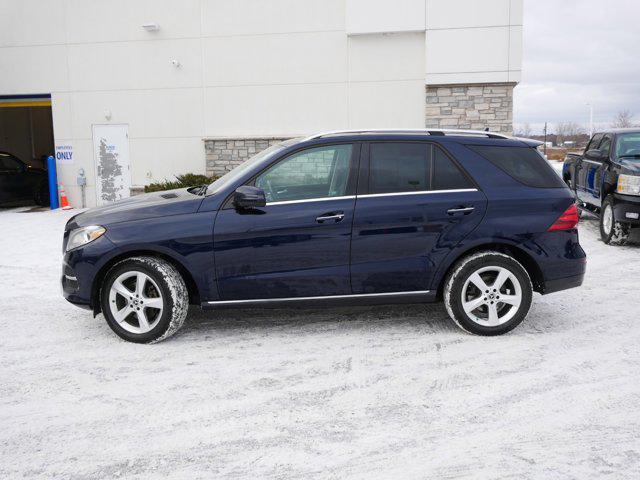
(389, 298)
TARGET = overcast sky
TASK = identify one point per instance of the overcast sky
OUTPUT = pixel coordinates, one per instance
(578, 52)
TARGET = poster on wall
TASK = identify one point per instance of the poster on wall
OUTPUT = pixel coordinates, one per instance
(111, 155)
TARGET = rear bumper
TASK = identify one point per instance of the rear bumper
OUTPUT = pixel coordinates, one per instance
(565, 283)
(627, 208)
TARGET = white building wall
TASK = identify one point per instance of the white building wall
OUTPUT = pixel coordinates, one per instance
(247, 68)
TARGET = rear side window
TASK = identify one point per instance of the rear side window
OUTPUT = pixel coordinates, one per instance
(446, 175)
(399, 167)
(412, 167)
(524, 164)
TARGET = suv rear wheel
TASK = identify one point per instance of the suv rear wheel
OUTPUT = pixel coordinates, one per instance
(144, 299)
(488, 293)
(612, 231)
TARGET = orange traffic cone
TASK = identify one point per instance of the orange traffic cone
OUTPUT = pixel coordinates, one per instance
(64, 201)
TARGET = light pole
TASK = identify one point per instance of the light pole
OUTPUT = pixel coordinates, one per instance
(590, 119)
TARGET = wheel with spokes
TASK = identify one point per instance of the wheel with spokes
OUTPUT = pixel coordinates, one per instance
(144, 299)
(488, 293)
(612, 231)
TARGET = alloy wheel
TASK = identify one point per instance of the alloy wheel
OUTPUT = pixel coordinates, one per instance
(136, 302)
(491, 296)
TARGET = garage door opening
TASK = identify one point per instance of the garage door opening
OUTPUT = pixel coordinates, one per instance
(26, 128)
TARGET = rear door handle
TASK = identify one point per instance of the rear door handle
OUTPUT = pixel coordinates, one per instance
(335, 216)
(463, 210)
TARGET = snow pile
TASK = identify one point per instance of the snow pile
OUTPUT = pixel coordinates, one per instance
(384, 392)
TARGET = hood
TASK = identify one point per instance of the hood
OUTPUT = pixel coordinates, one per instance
(630, 166)
(139, 207)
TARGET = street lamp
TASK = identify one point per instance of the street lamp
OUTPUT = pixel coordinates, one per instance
(590, 119)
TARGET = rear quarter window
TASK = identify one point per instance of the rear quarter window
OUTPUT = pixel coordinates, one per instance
(524, 164)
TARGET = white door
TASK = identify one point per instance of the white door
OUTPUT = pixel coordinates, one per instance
(111, 153)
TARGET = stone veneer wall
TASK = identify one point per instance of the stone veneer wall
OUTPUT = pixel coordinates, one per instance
(224, 154)
(470, 106)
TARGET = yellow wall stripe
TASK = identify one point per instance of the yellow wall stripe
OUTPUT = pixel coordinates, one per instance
(39, 103)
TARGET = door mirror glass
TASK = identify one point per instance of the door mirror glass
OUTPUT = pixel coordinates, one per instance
(594, 154)
(249, 197)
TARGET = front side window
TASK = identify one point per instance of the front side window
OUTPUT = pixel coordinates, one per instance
(313, 173)
(593, 143)
(605, 145)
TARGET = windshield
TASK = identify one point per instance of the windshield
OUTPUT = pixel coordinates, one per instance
(233, 175)
(628, 146)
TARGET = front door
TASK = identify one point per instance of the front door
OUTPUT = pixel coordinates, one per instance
(594, 171)
(111, 154)
(298, 244)
(414, 204)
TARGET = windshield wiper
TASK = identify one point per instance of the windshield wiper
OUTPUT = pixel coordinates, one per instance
(635, 155)
(202, 189)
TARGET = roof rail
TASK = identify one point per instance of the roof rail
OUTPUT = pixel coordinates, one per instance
(410, 131)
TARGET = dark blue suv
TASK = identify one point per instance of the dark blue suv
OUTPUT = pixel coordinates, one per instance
(477, 219)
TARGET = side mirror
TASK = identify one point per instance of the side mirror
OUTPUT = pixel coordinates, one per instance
(247, 196)
(594, 154)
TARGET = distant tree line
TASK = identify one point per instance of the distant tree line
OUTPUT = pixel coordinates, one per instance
(562, 132)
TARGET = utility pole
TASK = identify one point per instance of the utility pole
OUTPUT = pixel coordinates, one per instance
(545, 139)
(590, 119)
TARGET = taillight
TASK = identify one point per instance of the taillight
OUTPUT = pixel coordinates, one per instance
(567, 221)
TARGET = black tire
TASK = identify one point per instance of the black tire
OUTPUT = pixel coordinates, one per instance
(510, 315)
(163, 286)
(41, 195)
(617, 232)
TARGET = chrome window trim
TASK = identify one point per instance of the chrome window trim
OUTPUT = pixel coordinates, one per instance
(323, 297)
(418, 192)
(371, 195)
(307, 200)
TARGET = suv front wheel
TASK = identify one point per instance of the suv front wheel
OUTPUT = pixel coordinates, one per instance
(488, 293)
(144, 299)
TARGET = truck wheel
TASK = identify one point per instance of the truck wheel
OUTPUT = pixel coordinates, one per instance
(612, 231)
(488, 293)
(144, 299)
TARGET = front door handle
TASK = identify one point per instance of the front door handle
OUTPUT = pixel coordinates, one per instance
(463, 210)
(335, 216)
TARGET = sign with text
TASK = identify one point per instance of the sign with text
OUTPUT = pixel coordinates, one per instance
(64, 153)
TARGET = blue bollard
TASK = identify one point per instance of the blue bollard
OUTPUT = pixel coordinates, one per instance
(53, 182)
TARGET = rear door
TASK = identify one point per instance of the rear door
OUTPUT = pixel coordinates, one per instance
(414, 204)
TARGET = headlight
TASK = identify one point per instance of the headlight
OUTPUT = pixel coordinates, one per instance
(628, 184)
(84, 235)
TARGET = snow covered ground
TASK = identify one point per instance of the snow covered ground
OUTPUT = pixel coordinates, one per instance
(384, 392)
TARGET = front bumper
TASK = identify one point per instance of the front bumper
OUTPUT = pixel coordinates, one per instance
(627, 208)
(80, 268)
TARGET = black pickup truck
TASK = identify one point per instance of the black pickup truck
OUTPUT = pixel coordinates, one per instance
(20, 181)
(606, 180)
